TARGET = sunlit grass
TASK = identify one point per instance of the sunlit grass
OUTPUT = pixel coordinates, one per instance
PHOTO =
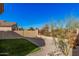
(17, 47)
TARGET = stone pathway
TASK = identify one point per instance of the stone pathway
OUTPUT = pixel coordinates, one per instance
(48, 48)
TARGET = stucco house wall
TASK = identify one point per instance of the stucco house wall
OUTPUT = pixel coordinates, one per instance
(5, 28)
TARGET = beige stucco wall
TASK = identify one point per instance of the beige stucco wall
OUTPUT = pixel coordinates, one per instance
(5, 28)
(27, 33)
(30, 33)
(17, 34)
(20, 32)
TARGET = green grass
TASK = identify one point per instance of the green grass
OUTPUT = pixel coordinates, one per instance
(17, 47)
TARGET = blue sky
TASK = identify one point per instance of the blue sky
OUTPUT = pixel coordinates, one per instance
(36, 15)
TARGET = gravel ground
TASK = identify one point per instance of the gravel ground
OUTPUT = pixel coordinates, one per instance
(47, 48)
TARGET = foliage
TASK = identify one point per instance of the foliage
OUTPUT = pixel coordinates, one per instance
(63, 47)
(69, 32)
(58, 30)
(20, 28)
(45, 30)
(31, 28)
(72, 24)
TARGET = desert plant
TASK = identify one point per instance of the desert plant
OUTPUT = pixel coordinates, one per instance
(69, 32)
(59, 32)
(45, 30)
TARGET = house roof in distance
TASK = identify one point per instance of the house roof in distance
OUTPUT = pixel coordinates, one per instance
(6, 24)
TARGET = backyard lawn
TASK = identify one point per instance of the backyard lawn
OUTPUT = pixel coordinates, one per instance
(16, 47)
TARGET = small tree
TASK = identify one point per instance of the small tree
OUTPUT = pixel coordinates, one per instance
(31, 28)
(72, 27)
(45, 30)
(69, 32)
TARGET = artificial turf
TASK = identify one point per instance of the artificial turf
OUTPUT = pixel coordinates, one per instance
(16, 47)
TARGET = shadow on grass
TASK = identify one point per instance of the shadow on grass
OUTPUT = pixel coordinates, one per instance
(38, 41)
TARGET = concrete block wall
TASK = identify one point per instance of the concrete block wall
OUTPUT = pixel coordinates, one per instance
(27, 33)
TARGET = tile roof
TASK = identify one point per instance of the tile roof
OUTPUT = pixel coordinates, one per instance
(6, 24)
(2, 21)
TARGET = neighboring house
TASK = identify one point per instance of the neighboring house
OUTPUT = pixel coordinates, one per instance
(8, 26)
